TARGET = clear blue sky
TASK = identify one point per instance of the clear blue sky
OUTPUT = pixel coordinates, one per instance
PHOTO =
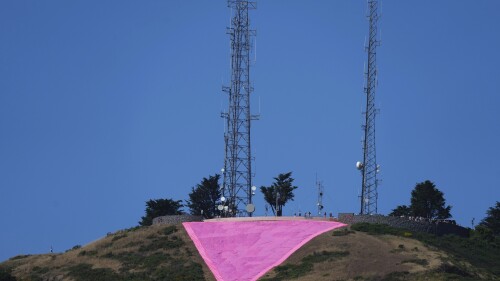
(106, 104)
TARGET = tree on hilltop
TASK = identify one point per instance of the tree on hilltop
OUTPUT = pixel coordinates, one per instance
(203, 199)
(401, 210)
(279, 193)
(492, 220)
(160, 207)
(426, 201)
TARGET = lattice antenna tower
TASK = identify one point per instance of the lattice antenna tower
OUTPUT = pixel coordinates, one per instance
(369, 167)
(320, 188)
(237, 172)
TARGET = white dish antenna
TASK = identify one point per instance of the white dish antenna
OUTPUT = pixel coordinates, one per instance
(359, 165)
(250, 208)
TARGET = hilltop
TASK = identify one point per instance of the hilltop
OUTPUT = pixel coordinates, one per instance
(361, 252)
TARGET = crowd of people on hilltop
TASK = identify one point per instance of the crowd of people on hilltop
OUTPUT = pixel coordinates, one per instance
(310, 215)
(422, 219)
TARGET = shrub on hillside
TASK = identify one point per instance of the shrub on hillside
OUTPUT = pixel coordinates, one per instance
(5, 275)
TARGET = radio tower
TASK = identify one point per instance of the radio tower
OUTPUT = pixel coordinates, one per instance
(237, 185)
(369, 167)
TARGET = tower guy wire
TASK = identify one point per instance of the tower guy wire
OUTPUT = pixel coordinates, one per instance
(237, 172)
(369, 167)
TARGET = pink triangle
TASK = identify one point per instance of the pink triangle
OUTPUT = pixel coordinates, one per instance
(246, 250)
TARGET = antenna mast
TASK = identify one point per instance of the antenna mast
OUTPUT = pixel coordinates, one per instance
(237, 184)
(369, 167)
(319, 186)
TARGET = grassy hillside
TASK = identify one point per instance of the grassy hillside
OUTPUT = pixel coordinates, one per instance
(142, 253)
(379, 252)
(364, 252)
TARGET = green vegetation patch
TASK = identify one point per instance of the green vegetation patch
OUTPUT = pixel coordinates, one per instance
(84, 272)
(40, 270)
(323, 256)
(292, 271)
(165, 243)
(156, 266)
(5, 275)
(380, 229)
(76, 247)
(180, 271)
(133, 244)
(106, 245)
(132, 260)
(396, 276)
(87, 253)
(135, 228)
(342, 232)
(19, 257)
(118, 237)
(401, 248)
(169, 230)
(480, 253)
(440, 274)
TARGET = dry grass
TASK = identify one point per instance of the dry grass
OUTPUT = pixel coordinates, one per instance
(369, 257)
(98, 254)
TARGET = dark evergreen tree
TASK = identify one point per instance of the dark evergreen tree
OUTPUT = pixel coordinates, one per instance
(401, 210)
(203, 199)
(428, 202)
(279, 193)
(492, 219)
(160, 207)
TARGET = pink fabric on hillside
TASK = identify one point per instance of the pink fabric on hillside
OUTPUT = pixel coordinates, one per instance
(237, 251)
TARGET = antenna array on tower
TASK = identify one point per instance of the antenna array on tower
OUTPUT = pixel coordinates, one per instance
(319, 186)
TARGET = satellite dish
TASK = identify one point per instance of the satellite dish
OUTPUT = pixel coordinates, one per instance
(220, 207)
(254, 188)
(222, 170)
(250, 208)
(223, 199)
(359, 165)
